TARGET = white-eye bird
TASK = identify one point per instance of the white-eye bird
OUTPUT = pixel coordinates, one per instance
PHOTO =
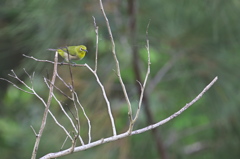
(75, 52)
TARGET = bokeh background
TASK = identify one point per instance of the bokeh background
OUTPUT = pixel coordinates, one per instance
(191, 42)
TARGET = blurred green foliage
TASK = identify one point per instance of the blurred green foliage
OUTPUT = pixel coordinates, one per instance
(203, 35)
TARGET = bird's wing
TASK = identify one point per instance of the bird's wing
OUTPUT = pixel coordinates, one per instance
(64, 49)
(69, 49)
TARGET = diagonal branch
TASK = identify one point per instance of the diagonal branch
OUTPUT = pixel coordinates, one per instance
(14, 85)
(106, 100)
(139, 131)
(44, 120)
(178, 112)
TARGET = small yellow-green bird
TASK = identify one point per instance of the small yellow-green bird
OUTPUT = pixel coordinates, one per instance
(75, 52)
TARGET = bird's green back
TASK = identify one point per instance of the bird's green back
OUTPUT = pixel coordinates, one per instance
(72, 50)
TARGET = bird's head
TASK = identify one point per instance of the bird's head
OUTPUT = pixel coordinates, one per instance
(83, 48)
(82, 51)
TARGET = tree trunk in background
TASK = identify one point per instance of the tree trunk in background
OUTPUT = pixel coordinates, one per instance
(132, 11)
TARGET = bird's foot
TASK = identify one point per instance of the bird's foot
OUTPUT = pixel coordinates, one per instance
(61, 63)
(73, 63)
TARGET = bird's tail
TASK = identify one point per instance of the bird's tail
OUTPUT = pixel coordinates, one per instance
(52, 49)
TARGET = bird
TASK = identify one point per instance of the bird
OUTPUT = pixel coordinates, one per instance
(69, 53)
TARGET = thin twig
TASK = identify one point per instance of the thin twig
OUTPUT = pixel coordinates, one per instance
(61, 126)
(70, 69)
(89, 123)
(59, 89)
(29, 76)
(34, 93)
(106, 99)
(52, 62)
(96, 53)
(54, 118)
(16, 77)
(146, 76)
(77, 117)
(68, 86)
(65, 113)
(71, 87)
(64, 143)
(44, 103)
(34, 130)
(117, 137)
(117, 63)
(14, 85)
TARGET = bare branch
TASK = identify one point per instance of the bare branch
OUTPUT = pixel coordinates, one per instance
(178, 112)
(31, 57)
(117, 63)
(106, 99)
(34, 93)
(59, 63)
(16, 77)
(54, 118)
(74, 94)
(29, 76)
(56, 121)
(140, 84)
(65, 113)
(70, 69)
(14, 85)
(100, 84)
(96, 53)
(64, 143)
(77, 119)
(35, 149)
(59, 88)
(89, 123)
(117, 137)
(34, 130)
(146, 77)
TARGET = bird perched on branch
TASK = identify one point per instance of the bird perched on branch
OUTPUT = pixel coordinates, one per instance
(71, 52)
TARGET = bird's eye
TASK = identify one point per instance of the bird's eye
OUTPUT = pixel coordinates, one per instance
(81, 49)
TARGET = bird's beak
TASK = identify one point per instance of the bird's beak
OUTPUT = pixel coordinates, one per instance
(85, 50)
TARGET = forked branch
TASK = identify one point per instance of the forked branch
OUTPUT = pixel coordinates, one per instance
(139, 131)
(144, 83)
(117, 63)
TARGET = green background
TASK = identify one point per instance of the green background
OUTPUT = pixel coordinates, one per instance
(197, 39)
